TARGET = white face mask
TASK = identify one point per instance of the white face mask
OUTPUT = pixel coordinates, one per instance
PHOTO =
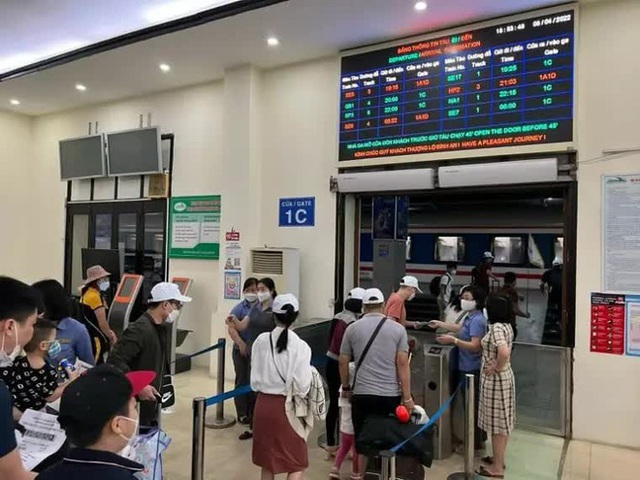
(411, 297)
(104, 285)
(453, 272)
(264, 296)
(6, 359)
(467, 305)
(251, 297)
(173, 316)
(127, 451)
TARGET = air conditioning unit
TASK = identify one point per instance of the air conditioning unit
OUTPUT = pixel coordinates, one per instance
(387, 181)
(501, 173)
(282, 265)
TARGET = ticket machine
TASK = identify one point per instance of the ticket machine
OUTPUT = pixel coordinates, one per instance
(179, 361)
(126, 294)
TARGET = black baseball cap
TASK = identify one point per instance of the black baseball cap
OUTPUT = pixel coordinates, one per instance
(99, 394)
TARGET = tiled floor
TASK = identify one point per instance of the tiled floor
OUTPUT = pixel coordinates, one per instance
(530, 456)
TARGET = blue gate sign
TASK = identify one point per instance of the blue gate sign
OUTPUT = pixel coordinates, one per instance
(297, 212)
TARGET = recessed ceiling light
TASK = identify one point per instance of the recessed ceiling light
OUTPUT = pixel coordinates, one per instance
(13, 101)
(81, 87)
(420, 6)
(273, 42)
(165, 67)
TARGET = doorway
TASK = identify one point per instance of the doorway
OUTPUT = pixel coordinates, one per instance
(138, 229)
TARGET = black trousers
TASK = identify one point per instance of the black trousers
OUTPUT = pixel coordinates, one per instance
(363, 406)
(480, 436)
(242, 366)
(333, 382)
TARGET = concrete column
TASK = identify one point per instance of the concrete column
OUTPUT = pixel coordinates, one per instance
(241, 179)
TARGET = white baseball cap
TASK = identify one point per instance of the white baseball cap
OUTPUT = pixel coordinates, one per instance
(488, 255)
(372, 296)
(556, 262)
(166, 291)
(285, 299)
(410, 281)
(357, 293)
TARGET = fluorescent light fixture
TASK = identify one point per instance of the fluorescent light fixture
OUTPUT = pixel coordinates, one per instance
(14, 101)
(273, 42)
(172, 10)
(420, 6)
(80, 87)
(165, 67)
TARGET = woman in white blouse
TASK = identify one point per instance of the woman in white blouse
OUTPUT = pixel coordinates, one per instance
(281, 367)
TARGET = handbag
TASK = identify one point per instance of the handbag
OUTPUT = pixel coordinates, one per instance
(381, 433)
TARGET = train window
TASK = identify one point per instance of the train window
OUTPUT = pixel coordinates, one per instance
(509, 250)
(449, 249)
(558, 247)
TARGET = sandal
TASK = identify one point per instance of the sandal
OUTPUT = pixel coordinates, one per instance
(334, 474)
(246, 435)
(355, 476)
(489, 461)
(483, 472)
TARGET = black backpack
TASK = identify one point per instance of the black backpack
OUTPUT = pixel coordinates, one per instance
(434, 286)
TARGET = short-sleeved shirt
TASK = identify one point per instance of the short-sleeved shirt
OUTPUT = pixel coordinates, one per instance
(74, 342)
(482, 275)
(378, 373)
(93, 299)
(7, 435)
(446, 281)
(499, 334)
(260, 321)
(30, 387)
(240, 311)
(475, 325)
(395, 308)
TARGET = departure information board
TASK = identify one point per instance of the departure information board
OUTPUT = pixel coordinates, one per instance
(506, 85)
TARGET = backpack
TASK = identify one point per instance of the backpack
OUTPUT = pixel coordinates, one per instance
(434, 286)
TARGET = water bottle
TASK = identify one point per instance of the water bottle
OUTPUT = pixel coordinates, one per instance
(67, 365)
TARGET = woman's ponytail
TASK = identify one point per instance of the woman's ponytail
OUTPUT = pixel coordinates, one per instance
(285, 319)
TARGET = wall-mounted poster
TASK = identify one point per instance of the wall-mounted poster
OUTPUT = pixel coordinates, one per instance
(608, 323)
(232, 285)
(194, 227)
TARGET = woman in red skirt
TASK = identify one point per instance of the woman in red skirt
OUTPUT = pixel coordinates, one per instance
(281, 367)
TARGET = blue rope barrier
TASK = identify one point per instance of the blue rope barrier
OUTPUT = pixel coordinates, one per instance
(436, 416)
(227, 395)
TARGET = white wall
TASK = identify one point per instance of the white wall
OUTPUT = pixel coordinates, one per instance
(16, 188)
(300, 151)
(194, 116)
(606, 398)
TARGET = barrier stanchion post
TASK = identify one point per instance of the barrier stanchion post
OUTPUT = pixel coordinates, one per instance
(219, 421)
(388, 470)
(469, 432)
(197, 442)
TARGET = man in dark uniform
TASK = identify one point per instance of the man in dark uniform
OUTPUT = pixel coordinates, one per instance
(482, 275)
(143, 346)
(552, 284)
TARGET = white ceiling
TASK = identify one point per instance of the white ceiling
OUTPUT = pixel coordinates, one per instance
(34, 30)
(306, 29)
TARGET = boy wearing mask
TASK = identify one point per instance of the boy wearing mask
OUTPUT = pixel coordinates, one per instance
(98, 414)
(33, 381)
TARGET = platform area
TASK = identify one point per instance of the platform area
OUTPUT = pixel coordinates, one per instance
(531, 456)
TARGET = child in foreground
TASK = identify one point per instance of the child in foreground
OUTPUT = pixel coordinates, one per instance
(347, 436)
(98, 414)
(32, 380)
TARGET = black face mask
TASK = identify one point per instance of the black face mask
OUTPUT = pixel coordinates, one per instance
(353, 305)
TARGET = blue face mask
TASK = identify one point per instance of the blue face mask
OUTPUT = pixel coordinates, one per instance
(54, 349)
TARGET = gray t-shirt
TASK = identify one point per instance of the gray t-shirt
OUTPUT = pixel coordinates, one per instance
(378, 374)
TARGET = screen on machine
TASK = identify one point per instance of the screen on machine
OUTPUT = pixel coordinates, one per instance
(127, 288)
(506, 85)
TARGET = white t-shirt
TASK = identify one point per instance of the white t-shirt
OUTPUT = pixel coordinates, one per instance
(447, 282)
(269, 367)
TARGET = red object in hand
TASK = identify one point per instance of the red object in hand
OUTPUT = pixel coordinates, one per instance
(402, 414)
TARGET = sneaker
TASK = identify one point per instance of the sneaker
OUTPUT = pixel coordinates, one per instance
(246, 435)
(334, 474)
(355, 476)
(244, 420)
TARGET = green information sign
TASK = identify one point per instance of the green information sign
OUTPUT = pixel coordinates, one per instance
(194, 225)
